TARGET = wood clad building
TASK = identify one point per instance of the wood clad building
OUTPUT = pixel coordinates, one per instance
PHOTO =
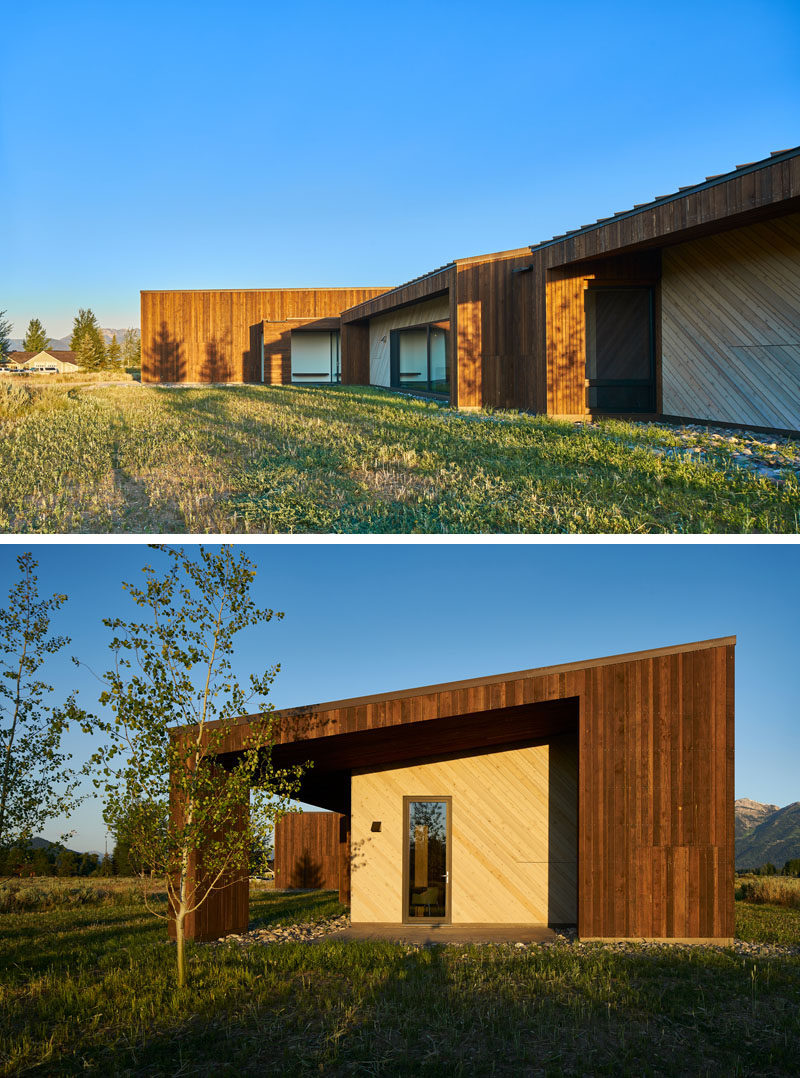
(597, 793)
(686, 307)
(240, 335)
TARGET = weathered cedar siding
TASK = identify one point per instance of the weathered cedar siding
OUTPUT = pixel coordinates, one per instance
(655, 774)
(215, 336)
(307, 851)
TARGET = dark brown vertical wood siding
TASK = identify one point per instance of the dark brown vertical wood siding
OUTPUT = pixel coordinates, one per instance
(307, 851)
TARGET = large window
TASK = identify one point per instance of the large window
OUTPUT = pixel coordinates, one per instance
(419, 359)
(315, 357)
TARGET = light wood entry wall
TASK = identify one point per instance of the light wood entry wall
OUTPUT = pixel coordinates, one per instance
(380, 328)
(514, 834)
(731, 326)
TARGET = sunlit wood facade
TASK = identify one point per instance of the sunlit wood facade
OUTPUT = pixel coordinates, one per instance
(685, 307)
(597, 793)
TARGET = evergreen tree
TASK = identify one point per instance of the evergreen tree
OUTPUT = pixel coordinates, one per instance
(36, 339)
(5, 330)
(132, 349)
(114, 354)
(87, 341)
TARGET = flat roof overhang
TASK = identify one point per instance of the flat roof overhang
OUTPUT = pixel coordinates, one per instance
(457, 716)
(335, 757)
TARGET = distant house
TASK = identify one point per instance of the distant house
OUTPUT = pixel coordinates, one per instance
(53, 361)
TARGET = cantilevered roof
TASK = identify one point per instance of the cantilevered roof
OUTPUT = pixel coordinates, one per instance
(710, 181)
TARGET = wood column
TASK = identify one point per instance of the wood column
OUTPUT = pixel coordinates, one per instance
(226, 908)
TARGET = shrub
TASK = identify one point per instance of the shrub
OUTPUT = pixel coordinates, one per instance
(17, 897)
(770, 890)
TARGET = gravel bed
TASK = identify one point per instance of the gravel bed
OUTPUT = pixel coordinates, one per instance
(308, 933)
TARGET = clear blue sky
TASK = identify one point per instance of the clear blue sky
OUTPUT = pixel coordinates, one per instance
(371, 618)
(196, 145)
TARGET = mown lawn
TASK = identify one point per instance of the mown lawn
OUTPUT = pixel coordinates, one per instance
(92, 991)
(264, 459)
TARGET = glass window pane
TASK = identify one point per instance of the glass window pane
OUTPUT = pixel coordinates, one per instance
(440, 381)
(413, 344)
(427, 859)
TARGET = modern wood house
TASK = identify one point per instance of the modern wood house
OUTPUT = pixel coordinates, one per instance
(596, 793)
(685, 307)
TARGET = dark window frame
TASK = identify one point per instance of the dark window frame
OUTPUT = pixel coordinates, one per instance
(423, 388)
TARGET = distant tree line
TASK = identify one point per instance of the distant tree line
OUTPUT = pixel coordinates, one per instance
(55, 860)
(790, 868)
(87, 342)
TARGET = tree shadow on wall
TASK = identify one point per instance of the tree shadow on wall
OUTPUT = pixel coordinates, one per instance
(306, 874)
(163, 358)
(216, 366)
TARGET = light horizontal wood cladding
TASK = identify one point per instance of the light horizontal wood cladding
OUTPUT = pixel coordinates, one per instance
(513, 834)
(307, 851)
(731, 326)
(215, 336)
(381, 326)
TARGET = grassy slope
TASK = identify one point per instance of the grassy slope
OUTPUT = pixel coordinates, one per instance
(264, 459)
(93, 991)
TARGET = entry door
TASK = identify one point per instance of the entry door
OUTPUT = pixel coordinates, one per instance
(426, 876)
(620, 359)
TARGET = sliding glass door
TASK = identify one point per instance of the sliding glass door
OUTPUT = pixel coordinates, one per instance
(426, 876)
(419, 359)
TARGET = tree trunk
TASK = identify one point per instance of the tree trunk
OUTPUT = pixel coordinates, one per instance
(180, 943)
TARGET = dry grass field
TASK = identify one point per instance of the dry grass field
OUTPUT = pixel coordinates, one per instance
(133, 458)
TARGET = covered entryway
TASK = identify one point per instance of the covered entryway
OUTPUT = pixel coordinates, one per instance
(620, 353)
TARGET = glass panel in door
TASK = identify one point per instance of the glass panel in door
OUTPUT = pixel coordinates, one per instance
(413, 369)
(428, 878)
(440, 383)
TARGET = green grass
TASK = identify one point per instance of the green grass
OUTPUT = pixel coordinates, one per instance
(92, 991)
(280, 459)
(767, 924)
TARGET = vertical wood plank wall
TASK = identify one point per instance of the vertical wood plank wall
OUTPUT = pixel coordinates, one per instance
(226, 908)
(731, 326)
(307, 851)
(496, 325)
(655, 775)
(566, 322)
(656, 779)
(215, 336)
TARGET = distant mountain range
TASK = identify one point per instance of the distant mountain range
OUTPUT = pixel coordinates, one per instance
(62, 343)
(766, 833)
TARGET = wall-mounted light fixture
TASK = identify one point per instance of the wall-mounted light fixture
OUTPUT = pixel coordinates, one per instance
(376, 825)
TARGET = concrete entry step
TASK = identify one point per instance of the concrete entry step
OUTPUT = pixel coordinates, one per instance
(433, 933)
